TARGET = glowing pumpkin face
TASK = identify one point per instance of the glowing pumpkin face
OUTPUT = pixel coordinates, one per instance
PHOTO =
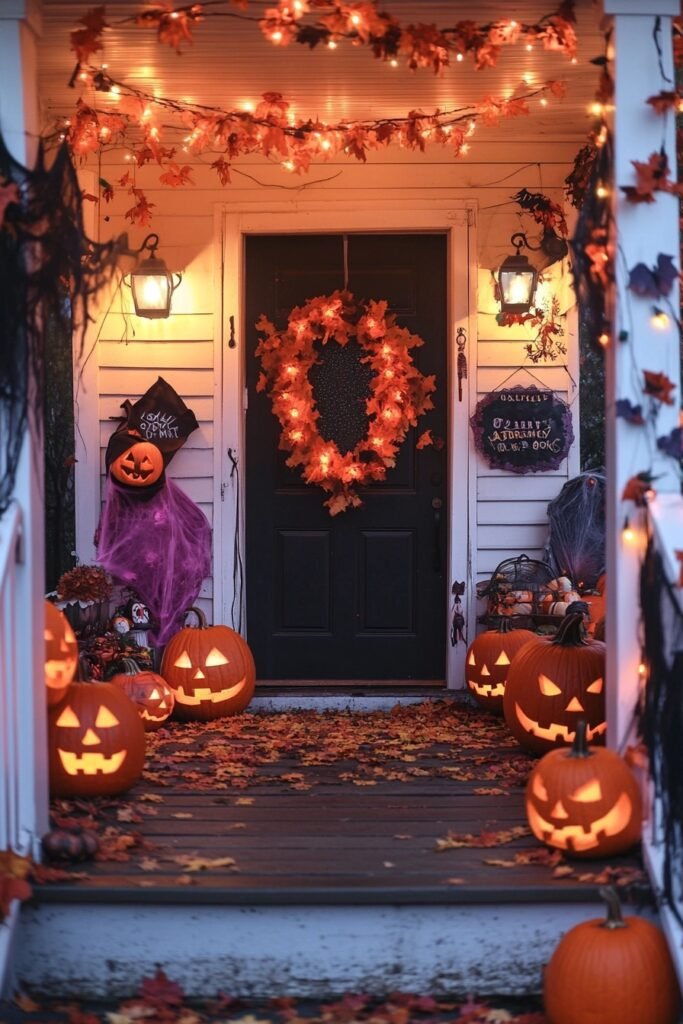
(96, 742)
(211, 672)
(151, 694)
(584, 801)
(141, 465)
(488, 660)
(61, 654)
(552, 684)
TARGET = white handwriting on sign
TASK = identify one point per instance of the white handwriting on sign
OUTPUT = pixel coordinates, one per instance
(159, 425)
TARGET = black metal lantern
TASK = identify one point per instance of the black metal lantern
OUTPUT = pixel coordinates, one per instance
(152, 283)
(517, 279)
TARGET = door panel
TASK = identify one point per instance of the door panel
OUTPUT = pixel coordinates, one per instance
(361, 595)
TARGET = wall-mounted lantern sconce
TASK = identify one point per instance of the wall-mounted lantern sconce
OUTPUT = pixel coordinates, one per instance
(517, 279)
(152, 284)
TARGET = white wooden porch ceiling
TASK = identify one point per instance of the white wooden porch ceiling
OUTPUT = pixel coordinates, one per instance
(231, 63)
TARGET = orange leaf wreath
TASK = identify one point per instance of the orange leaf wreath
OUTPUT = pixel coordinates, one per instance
(399, 392)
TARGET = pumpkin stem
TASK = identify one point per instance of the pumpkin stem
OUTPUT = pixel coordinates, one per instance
(200, 616)
(130, 667)
(83, 670)
(614, 918)
(579, 747)
(504, 625)
(571, 632)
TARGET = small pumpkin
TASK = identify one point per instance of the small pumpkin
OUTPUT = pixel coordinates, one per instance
(488, 660)
(140, 465)
(150, 693)
(584, 800)
(96, 741)
(69, 845)
(210, 670)
(612, 971)
(551, 684)
(61, 654)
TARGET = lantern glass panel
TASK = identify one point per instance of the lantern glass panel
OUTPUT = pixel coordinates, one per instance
(517, 287)
(151, 293)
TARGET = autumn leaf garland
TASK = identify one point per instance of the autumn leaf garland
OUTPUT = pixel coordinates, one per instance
(399, 392)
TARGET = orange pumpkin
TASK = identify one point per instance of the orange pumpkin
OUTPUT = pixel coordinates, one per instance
(612, 971)
(551, 684)
(210, 670)
(140, 465)
(488, 659)
(61, 654)
(96, 742)
(584, 800)
(151, 694)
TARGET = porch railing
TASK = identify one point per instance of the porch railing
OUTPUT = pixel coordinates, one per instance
(15, 827)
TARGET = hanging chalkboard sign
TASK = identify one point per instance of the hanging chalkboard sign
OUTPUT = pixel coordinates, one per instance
(523, 430)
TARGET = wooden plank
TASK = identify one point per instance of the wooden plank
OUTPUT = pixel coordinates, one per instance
(490, 513)
(534, 486)
(525, 536)
(132, 383)
(158, 354)
(124, 331)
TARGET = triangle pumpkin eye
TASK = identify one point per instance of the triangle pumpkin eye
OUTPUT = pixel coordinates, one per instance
(548, 687)
(595, 687)
(68, 719)
(183, 661)
(502, 659)
(215, 657)
(471, 660)
(154, 695)
(105, 718)
(589, 793)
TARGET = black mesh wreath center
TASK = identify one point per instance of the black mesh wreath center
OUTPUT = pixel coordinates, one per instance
(341, 388)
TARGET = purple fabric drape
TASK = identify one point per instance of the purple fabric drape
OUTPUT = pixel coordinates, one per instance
(160, 546)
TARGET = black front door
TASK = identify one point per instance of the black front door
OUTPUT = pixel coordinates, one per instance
(361, 595)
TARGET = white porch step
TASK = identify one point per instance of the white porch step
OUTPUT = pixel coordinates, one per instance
(316, 945)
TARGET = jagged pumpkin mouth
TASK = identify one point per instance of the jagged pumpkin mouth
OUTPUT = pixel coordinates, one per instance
(578, 837)
(488, 689)
(91, 763)
(556, 731)
(144, 713)
(202, 694)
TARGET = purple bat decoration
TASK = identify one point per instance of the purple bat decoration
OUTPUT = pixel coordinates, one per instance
(672, 444)
(655, 282)
(629, 412)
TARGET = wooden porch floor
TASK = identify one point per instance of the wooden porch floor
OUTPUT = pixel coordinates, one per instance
(422, 804)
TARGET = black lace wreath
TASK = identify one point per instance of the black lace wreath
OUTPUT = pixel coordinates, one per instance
(48, 270)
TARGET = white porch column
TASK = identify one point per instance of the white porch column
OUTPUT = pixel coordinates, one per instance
(19, 28)
(642, 231)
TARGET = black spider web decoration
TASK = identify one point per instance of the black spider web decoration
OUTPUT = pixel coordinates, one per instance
(48, 269)
(661, 714)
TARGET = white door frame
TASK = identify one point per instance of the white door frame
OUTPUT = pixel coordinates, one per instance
(233, 222)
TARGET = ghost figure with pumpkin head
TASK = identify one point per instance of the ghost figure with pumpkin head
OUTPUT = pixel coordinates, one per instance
(151, 536)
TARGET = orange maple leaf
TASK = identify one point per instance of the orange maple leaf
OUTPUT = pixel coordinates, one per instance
(659, 386)
(176, 176)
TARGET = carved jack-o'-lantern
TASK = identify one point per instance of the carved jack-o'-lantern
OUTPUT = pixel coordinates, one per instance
(140, 465)
(61, 654)
(211, 671)
(552, 684)
(151, 694)
(96, 742)
(488, 660)
(584, 800)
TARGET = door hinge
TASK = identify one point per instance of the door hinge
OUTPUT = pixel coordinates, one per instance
(471, 219)
(245, 400)
(222, 492)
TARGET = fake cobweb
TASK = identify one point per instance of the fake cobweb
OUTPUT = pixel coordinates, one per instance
(161, 547)
(576, 517)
